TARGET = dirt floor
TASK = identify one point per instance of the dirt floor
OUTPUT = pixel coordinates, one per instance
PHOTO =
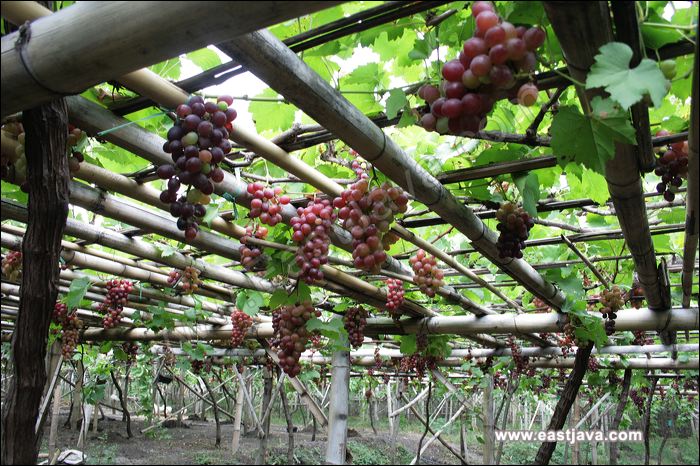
(195, 445)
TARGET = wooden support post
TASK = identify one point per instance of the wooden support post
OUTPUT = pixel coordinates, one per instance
(261, 455)
(338, 411)
(47, 179)
(576, 447)
(55, 412)
(236, 438)
(615, 424)
(290, 424)
(488, 421)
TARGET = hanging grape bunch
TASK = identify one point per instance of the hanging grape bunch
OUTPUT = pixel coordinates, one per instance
(70, 328)
(540, 305)
(521, 363)
(514, 225)
(174, 277)
(190, 280)
(18, 160)
(394, 297)
(354, 321)
(197, 366)
(368, 215)
(241, 323)
(291, 335)
(484, 72)
(113, 304)
(266, 203)
(131, 350)
(636, 296)
(250, 252)
(311, 227)
(427, 276)
(197, 144)
(611, 301)
(12, 265)
(672, 167)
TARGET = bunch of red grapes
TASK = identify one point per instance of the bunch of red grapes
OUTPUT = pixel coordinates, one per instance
(266, 203)
(197, 143)
(638, 399)
(70, 328)
(484, 73)
(354, 321)
(636, 296)
(113, 304)
(394, 297)
(641, 338)
(672, 167)
(611, 301)
(593, 364)
(291, 335)
(311, 227)
(12, 265)
(241, 323)
(521, 363)
(514, 225)
(250, 252)
(189, 279)
(131, 350)
(427, 276)
(368, 215)
(197, 366)
(540, 305)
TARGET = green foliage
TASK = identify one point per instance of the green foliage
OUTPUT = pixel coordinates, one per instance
(76, 291)
(249, 301)
(626, 85)
(595, 134)
(529, 186)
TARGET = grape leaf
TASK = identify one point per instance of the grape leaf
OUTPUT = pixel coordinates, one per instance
(212, 212)
(396, 101)
(165, 249)
(626, 85)
(278, 298)
(271, 115)
(77, 290)
(408, 344)
(249, 301)
(204, 58)
(590, 140)
(529, 186)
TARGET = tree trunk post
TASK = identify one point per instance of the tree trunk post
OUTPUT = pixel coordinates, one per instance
(47, 179)
(338, 410)
(290, 424)
(488, 421)
(267, 396)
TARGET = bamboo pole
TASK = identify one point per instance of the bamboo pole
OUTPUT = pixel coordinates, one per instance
(582, 28)
(489, 425)
(692, 214)
(338, 410)
(238, 411)
(56, 52)
(266, 56)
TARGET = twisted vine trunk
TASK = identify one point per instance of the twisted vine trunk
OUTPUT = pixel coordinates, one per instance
(215, 406)
(647, 420)
(46, 128)
(544, 454)
(122, 401)
(618, 413)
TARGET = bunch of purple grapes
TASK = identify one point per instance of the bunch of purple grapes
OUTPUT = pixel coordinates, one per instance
(514, 224)
(672, 167)
(197, 143)
(483, 73)
(311, 227)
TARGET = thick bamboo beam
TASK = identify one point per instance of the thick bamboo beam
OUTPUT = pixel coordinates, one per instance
(627, 319)
(55, 60)
(692, 212)
(275, 64)
(582, 28)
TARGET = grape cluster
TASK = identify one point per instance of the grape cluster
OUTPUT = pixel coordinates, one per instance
(540, 305)
(545, 383)
(638, 399)
(421, 341)
(569, 341)
(266, 203)
(593, 364)
(611, 301)
(197, 143)
(197, 366)
(368, 216)
(354, 321)
(18, 160)
(311, 227)
(672, 167)
(316, 342)
(291, 335)
(241, 323)
(427, 276)
(636, 296)
(131, 350)
(169, 358)
(514, 224)
(483, 73)
(500, 381)
(394, 297)
(250, 252)
(521, 363)
(113, 304)
(70, 328)
(174, 277)
(190, 280)
(641, 338)
(368, 394)
(12, 265)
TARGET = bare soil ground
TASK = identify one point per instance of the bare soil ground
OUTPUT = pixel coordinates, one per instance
(195, 445)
